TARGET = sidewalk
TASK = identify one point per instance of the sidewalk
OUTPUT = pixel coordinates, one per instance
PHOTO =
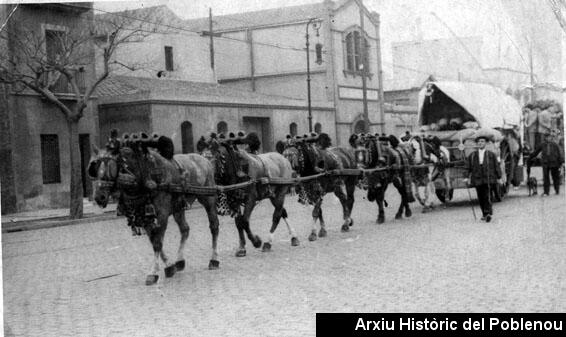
(47, 218)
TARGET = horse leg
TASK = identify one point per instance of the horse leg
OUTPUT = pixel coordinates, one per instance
(399, 186)
(209, 204)
(340, 193)
(316, 215)
(244, 220)
(184, 230)
(380, 197)
(279, 212)
(156, 235)
(350, 190)
(241, 252)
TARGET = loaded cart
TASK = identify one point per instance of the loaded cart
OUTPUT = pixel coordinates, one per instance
(456, 112)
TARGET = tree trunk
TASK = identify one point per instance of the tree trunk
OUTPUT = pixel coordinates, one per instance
(76, 189)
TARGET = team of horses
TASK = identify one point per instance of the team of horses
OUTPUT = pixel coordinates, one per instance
(229, 177)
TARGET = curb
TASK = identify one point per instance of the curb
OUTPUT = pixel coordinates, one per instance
(20, 226)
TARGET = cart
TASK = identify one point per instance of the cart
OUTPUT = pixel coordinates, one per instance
(456, 112)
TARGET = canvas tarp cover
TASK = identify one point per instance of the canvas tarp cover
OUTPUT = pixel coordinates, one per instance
(489, 105)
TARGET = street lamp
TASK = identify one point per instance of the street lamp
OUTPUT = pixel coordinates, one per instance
(319, 60)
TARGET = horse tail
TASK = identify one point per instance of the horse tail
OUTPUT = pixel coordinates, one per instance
(284, 213)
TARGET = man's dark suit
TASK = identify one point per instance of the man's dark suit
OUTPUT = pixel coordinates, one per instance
(484, 177)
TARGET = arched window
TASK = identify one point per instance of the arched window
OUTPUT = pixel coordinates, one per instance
(317, 128)
(354, 51)
(222, 127)
(293, 129)
(360, 127)
(187, 137)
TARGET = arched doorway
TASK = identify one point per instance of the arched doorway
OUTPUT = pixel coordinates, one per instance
(187, 137)
(293, 129)
(318, 128)
(222, 127)
(360, 126)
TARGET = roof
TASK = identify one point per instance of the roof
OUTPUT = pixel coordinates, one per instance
(489, 105)
(163, 17)
(123, 89)
(400, 84)
(259, 18)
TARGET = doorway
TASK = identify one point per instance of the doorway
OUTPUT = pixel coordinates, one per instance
(187, 137)
(84, 144)
(261, 126)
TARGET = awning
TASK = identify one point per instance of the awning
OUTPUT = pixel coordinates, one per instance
(489, 105)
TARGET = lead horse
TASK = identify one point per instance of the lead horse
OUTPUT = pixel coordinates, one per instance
(238, 166)
(136, 172)
(313, 155)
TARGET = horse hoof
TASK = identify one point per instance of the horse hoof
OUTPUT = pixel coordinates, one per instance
(408, 213)
(398, 216)
(266, 247)
(351, 222)
(213, 265)
(256, 242)
(312, 237)
(294, 242)
(241, 253)
(380, 220)
(180, 265)
(345, 228)
(170, 271)
(322, 233)
(151, 280)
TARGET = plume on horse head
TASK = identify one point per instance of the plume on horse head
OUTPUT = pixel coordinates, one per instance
(165, 147)
(280, 146)
(252, 140)
(324, 141)
(353, 140)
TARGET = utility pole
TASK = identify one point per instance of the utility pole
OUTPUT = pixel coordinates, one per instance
(531, 69)
(211, 38)
(364, 70)
(309, 74)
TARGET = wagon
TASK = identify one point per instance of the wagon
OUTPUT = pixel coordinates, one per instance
(456, 112)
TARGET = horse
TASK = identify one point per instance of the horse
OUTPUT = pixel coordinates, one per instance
(312, 155)
(130, 170)
(423, 153)
(392, 165)
(235, 166)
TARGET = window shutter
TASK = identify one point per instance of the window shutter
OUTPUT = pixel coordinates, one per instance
(50, 164)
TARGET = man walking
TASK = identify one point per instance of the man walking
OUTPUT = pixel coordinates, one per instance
(551, 160)
(484, 174)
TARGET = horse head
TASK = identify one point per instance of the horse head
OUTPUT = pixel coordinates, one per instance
(103, 170)
(367, 150)
(224, 157)
(300, 153)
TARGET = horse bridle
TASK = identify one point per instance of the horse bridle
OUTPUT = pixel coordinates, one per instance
(112, 166)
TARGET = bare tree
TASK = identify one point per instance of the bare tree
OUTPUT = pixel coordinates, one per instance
(40, 61)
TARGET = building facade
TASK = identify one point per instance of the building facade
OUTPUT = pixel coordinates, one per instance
(34, 161)
(185, 111)
(265, 52)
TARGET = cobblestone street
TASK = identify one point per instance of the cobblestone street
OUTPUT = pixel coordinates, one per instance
(88, 280)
